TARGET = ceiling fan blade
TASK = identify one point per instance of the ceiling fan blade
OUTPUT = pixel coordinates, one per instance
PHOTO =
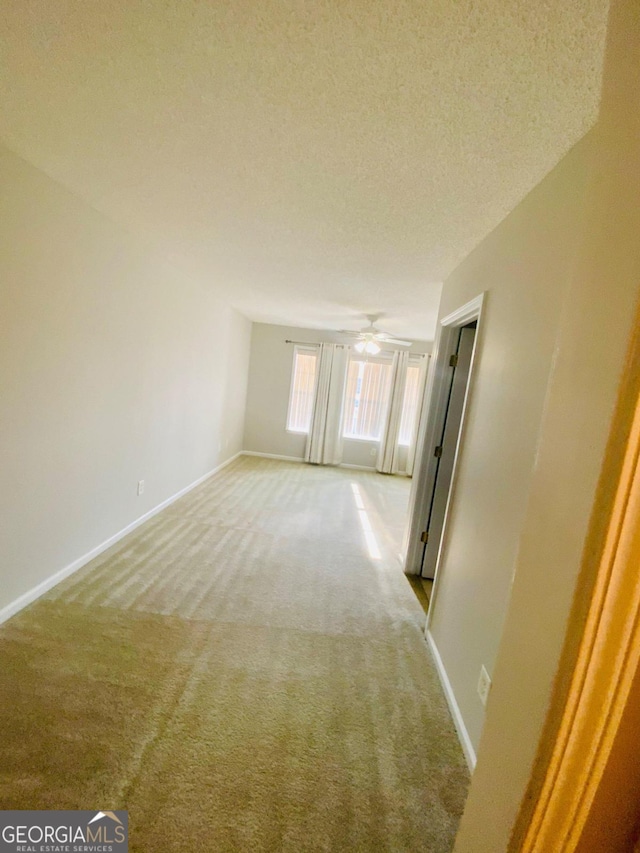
(380, 333)
(396, 341)
(349, 332)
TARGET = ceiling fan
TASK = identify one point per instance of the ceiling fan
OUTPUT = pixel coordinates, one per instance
(370, 337)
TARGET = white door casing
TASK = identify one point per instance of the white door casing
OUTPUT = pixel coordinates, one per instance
(448, 448)
(431, 427)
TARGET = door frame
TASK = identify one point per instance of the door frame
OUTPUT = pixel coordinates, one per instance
(464, 342)
(434, 410)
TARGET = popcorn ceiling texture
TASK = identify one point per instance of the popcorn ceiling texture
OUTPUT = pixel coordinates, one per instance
(314, 160)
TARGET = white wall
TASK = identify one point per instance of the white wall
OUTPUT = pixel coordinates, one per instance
(268, 394)
(600, 289)
(112, 369)
(524, 266)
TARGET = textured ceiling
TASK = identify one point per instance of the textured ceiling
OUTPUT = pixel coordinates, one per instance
(318, 160)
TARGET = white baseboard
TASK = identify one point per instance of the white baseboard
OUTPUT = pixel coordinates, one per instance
(463, 734)
(272, 456)
(357, 467)
(48, 583)
(300, 459)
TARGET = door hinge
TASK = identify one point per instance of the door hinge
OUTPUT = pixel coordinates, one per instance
(424, 536)
(438, 451)
(453, 361)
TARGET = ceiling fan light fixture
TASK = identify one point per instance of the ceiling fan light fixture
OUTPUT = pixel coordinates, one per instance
(360, 346)
(371, 347)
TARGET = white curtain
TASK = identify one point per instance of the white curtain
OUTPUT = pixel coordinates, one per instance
(388, 455)
(411, 452)
(324, 444)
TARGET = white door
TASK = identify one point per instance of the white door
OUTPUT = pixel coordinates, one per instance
(446, 450)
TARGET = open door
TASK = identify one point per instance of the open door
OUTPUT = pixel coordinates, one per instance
(440, 436)
(445, 450)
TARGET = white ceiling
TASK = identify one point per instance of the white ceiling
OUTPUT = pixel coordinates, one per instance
(318, 160)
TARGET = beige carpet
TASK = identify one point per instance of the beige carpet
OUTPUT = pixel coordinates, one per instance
(240, 674)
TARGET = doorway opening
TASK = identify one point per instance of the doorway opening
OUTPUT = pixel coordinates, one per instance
(445, 450)
(440, 439)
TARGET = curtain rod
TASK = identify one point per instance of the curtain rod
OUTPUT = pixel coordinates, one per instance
(312, 343)
(316, 344)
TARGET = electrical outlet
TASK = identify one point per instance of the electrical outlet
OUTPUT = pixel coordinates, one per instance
(484, 685)
(140, 486)
(373, 451)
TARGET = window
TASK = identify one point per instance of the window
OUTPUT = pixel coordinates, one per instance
(366, 397)
(410, 405)
(303, 384)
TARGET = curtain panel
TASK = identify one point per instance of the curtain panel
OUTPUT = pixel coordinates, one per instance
(411, 453)
(324, 443)
(388, 461)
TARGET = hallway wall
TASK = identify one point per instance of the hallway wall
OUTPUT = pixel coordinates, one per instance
(113, 369)
(524, 266)
(589, 358)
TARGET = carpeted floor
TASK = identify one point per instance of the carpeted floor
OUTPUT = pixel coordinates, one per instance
(245, 672)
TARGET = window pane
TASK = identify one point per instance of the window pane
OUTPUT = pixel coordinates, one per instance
(410, 405)
(366, 399)
(303, 386)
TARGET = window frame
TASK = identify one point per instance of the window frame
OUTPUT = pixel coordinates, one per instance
(304, 349)
(417, 362)
(384, 357)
